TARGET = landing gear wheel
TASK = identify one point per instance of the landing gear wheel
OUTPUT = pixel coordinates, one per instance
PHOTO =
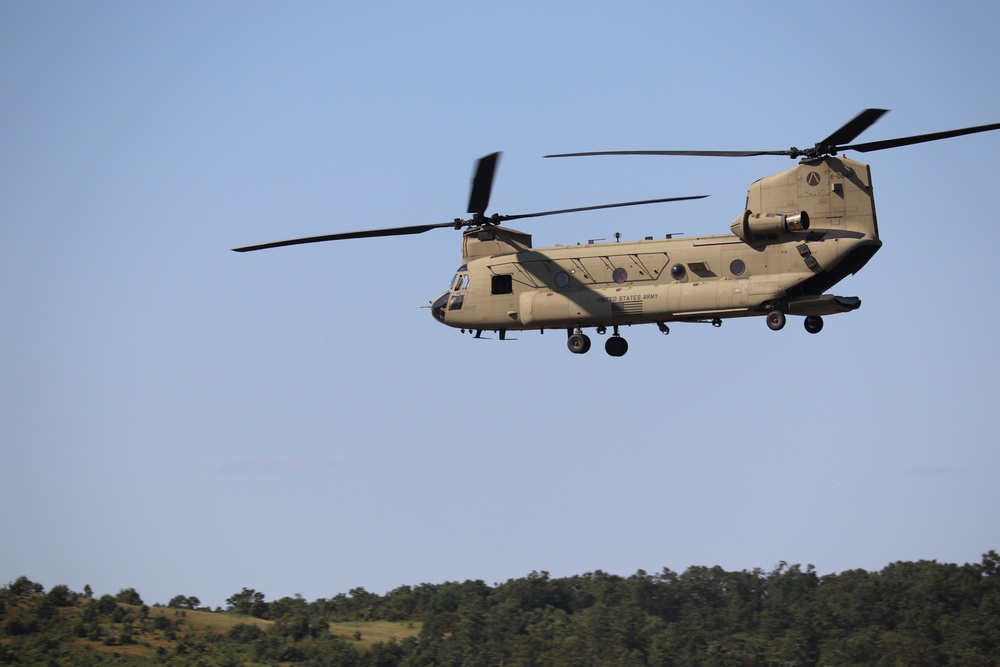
(578, 343)
(814, 324)
(616, 346)
(775, 320)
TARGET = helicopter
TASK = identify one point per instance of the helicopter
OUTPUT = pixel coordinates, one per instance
(801, 232)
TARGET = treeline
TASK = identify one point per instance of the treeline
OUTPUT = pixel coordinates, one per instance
(909, 613)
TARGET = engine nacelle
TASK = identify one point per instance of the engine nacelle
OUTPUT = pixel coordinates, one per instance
(763, 227)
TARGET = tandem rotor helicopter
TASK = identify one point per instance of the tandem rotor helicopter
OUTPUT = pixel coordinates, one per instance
(801, 232)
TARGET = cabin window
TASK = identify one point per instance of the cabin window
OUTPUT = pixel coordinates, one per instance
(737, 267)
(562, 279)
(677, 271)
(619, 276)
(502, 284)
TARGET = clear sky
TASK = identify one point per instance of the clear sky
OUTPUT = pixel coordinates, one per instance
(182, 419)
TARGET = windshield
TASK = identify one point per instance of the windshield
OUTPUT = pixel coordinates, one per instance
(461, 282)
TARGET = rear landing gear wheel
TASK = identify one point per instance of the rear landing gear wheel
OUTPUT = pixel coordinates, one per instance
(616, 346)
(814, 324)
(775, 320)
(578, 343)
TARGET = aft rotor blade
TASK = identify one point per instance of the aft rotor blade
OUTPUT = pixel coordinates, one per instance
(482, 184)
(919, 139)
(364, 234)
(853, 128)
(687, 153)
(504, 218)
(848, 132)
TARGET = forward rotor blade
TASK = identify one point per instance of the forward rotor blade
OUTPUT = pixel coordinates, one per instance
(504, 218)
(853, 128)
(482, 184)
(918, 139)
(368, 233)
(455, 224)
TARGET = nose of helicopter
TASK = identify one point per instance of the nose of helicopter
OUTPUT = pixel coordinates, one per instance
(438, 307)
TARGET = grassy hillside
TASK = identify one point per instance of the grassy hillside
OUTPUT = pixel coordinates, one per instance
(84, 631)
(917, 614)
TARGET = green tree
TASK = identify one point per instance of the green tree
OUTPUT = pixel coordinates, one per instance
(24, 586)
(288, 607)
(128, 596)
(244, 633)
(106, 604)
(184, 602)
(61, 596)
(249, 603)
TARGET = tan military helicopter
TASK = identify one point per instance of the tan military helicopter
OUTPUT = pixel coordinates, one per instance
(802, 231)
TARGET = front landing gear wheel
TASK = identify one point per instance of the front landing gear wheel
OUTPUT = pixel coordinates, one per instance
(775, 320)
(578, 343)
(814, 324)
(616, 346)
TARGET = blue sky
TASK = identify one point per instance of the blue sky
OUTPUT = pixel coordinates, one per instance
(182, 419)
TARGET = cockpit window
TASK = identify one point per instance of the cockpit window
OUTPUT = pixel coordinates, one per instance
(461, 278)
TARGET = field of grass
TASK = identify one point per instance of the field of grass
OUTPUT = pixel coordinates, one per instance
(366, 633)
(373, 632)
(208, 621)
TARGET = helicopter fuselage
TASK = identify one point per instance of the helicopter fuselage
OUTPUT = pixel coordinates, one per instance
(802, 231)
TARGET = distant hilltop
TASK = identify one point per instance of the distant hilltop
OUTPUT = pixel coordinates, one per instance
(910, 613)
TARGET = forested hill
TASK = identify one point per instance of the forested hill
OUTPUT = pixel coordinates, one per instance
(909, 613)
